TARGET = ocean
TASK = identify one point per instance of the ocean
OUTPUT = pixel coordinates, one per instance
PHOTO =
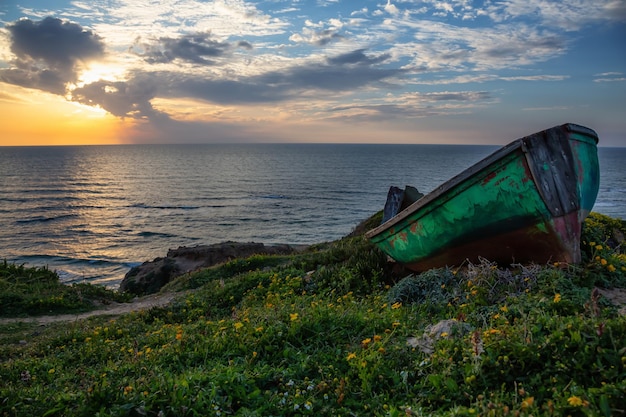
(93, 212)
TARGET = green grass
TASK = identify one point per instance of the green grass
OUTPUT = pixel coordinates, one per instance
(330, 332)
(36, 291)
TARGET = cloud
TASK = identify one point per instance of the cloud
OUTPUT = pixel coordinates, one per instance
(358, 57)
(456, 96)
(317, 38)
(566, 15)
(391, 9)
(609, 77)
(132, 98)
(197, 48)
(316, 34)
(121, 98)
(341, 73)
(412, 106)
(48, 54)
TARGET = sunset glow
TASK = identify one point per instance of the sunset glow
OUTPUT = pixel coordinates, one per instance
(44, 119)
(248, 71)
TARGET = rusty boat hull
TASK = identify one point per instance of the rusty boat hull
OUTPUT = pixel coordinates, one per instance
(526, 202)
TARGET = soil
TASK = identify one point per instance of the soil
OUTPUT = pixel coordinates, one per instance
(113, 309)
(617, 296)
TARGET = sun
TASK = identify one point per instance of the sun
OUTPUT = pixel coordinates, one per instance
(98, 71)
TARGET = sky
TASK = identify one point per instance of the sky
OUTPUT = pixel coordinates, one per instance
(388, 71)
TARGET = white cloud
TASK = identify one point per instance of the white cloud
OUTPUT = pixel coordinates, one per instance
(391, 9)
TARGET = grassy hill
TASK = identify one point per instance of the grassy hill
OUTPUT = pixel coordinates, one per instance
(334, 331)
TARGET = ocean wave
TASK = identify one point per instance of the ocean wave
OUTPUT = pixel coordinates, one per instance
(45, 219)
(164, 207)
(274, 196)
(71, 270)
(154, 234)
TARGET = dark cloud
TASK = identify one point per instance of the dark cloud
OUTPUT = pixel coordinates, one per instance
(343, 73)
(48, 52)
(244, 45)
(326, 36)
(122, 99)
(358, 57)
(196, 48)
(516, 49)
(32, 77)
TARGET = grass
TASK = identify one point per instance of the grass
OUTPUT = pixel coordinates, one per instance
(332, 331)
(36, 291)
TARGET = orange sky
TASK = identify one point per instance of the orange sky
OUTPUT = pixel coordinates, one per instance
(31, 117)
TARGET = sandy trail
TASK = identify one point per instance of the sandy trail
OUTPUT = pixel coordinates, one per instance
(113, 309)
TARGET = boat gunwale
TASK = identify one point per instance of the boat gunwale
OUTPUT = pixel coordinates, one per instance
(466, 174)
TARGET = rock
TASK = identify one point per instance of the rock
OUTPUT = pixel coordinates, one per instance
(151, 276)
(434, 332)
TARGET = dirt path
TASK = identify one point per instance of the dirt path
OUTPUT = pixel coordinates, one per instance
(114, 309)
(616, 296)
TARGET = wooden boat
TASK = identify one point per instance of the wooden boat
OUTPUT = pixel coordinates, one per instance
(524, 203)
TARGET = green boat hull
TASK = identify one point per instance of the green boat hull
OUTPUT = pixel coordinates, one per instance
(524, 203)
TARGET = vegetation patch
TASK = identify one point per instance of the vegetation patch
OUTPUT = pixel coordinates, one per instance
(36, 291)
(331, 331)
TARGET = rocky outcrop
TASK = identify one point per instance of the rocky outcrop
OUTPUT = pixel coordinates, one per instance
(151, 276)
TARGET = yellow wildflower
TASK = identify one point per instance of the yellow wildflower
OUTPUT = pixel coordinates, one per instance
(395, 324)
(575, 401)
(351, 356)
(527, 402)
(381, 350)
(504, 309)
(611, 268)
(238, 325)
(293, 316)
(444, 334)
(599, 247)
(377, 338)
(396, 305)
(366, 342)
(557, 297)
(603, 261)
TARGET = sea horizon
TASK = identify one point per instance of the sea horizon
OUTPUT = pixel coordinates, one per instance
(92, 212)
